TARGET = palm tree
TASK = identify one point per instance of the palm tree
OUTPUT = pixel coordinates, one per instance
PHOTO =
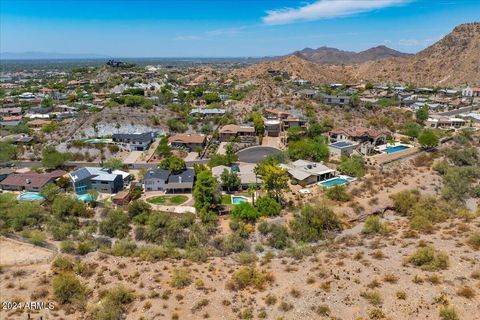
(252, 189)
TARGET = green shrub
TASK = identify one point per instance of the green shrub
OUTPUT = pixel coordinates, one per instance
(245, 211)
(249, 277)
(448, 313)
(373, 297)
(429, 259)
(67, 289)
(311, 223)
(181, 278)
(123, 248)
(337, 193)
(373, 225)
(268, 206)
(113, 304)
(474, 240)
(62, 264)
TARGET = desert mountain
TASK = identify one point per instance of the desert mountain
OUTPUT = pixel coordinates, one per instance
(326, 55)
(297, 68)
(453, 60)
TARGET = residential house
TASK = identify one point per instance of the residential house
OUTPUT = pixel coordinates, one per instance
(16, 111)
(10, 121)
(158, 179)
(306, 93)
(367, 138)
(336, 100)
(100, 179)
(245, 171)
(279, 120)
(467, 92)
(232, 132)
(342, 148)
(190, 141)
(135, 141)
(308, 172)
(122, 198)
(203, 112)
(30, 181)
(443, 122)
(39, 123)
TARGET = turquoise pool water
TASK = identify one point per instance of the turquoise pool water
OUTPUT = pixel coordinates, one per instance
(31, 196)
(396, 149)
(97, 140)
(237, 200)
(85, 197)
(334, 182)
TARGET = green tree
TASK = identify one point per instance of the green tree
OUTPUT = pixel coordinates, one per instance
(50, 191)
(245, 211)
(174, 164)
(308, 149)
(113, 164)
(428, 139)
(205, 191)
(7, 151)
(163, 149)
(231, 157)
(47, 102)
(115, 224)
(352, 166)
(268, 206)
(311, 223)
(412, 129)
(258, 123)
(211, 97)
(52, 159)
(422, 114)
(275, 180)
(230, 180)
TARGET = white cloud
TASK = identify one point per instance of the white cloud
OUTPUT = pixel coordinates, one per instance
(324, 9)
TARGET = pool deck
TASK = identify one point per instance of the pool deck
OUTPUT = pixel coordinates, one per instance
(385, 158)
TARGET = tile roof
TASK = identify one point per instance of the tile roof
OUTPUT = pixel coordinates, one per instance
(32, 179)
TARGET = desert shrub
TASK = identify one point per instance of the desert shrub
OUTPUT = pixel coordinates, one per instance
(373, 225)
(352, 166)
(246, 257)
(67, 246)
(113, 304)
(338, 193)
(474, 240)
(67, 289)
(466, 292)
(86, 246)
(404, 201)
(279, 237)
(268, 206)
(373, 297)
(249, 277)
(421, 223)
(376, 314)
(429, 259)
(233, 243)
(263, 227)
(62, 264)
(115, 224)
(311, 223)
(123, 248)
(448, 313)
(298, 251)
(181, 278)
(151, 252)
(245, 211)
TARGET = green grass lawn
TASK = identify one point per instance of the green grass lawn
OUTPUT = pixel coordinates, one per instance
(226, 199)
(168, 200)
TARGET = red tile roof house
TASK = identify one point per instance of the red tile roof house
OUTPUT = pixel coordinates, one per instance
(367, 138)
(30, 181)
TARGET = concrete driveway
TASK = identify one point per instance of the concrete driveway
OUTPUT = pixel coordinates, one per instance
(256, 154)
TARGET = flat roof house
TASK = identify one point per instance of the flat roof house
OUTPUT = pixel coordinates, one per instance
(336, 100)
(342, 148)
(207, 112)
(231, 132)
(186, 140)
(135, 141)
(443, 122)
(308, 172)
(100, 179)
(30, 181)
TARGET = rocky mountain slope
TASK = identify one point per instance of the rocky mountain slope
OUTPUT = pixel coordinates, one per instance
(453, 60)
(326, 55)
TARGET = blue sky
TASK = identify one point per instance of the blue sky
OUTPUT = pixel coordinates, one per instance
(222, 28)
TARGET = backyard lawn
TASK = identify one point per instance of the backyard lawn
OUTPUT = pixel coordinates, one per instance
(226, 199)
(168, 200)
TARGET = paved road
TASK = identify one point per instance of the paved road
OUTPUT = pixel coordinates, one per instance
(256, 154)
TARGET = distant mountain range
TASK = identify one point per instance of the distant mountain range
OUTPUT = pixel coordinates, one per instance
(327, 55)
(38, 55)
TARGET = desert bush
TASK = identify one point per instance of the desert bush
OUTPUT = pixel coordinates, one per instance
(113, 304)
(246, 258)
(338, 193)
(67, 289)
(448, 313)
(466, 292)
(312, 222)
(373, 225)
(249, 277)
(181, 278)
(474, 240)
(123, 248)
(373, 297)
(376, 314)
(429, 259)
(62, 264)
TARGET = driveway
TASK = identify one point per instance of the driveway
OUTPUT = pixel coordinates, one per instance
(256, 154)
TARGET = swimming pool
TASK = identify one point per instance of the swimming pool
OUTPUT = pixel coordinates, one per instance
(31, 196)
(334, 182)
(97, 141)
(85, 197)
(396, 149)
(239, 199)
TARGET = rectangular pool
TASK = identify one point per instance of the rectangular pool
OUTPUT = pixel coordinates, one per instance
(396, 149)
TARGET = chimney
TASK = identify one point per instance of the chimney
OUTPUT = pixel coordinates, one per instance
(28, 181)
(180, 179)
